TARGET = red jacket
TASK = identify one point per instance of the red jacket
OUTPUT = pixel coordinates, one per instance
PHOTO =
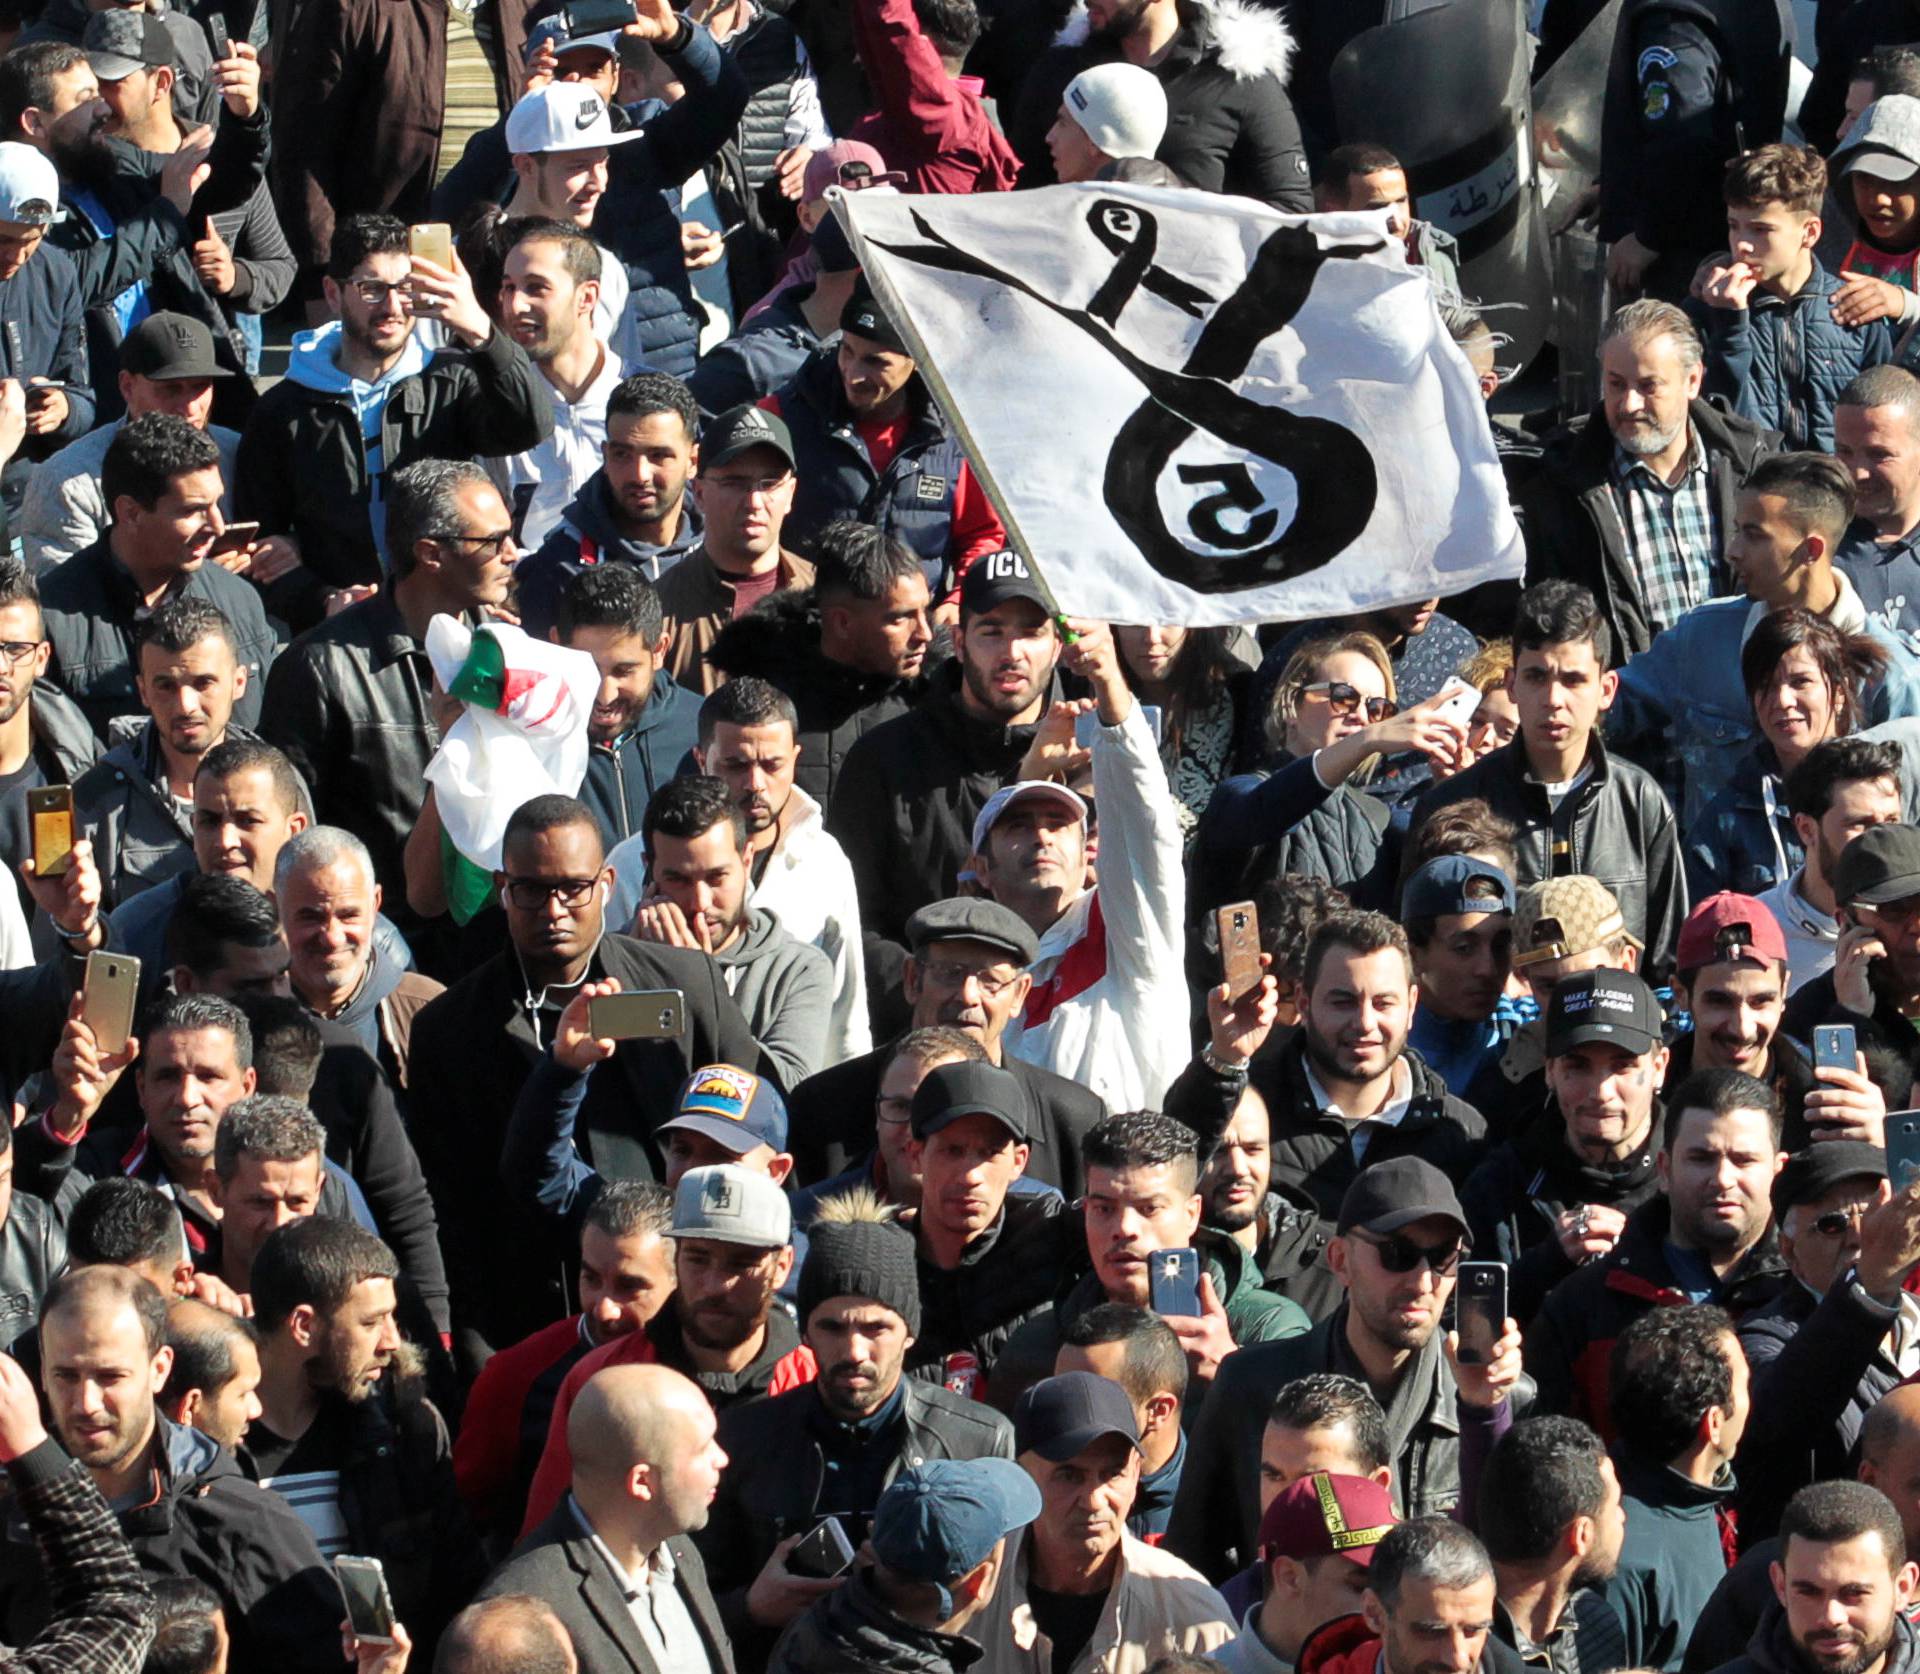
(555, 1473)
(1346, 1645)
(928, 124)
(493, 1454)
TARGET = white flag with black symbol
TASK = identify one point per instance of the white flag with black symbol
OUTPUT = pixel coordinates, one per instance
(1194, 410)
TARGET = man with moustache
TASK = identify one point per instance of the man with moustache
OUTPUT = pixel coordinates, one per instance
(910, 791)
(1558, 1193)
(549, 286)
(832, 1445)
(359, 1454)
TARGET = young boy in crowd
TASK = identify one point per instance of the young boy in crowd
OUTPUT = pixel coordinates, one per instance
(1880, 163)
(1774, 348)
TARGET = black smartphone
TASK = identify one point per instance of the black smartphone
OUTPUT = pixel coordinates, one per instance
(596, 17)
(1480, 1309)
(1834, 1046)
(1903, 1148)
(823, 1553)
(1173, 1283)
(221, 37)
(363, 1585)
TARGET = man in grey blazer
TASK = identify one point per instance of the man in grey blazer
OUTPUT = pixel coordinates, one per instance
(613, 1560)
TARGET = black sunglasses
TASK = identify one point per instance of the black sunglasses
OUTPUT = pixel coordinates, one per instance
(1402, 1255)
(1343, 699)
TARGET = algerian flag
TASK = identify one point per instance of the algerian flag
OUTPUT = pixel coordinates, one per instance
(523, 734)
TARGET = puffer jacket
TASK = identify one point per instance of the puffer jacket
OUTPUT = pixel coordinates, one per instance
(764, 354)
(1230, 124)
(851, 1631)
(140, 835)
(1743, 838)
(1783, 361)
(1005, 1276)
(1572, 524)
(638, 220)
(586, 535)
(1683, 701)
(779, 641)
(1616, 827)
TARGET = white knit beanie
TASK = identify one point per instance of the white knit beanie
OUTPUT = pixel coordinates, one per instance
(1120, 107)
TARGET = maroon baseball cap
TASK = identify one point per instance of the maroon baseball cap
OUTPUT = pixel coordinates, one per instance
(1324, 1513)
(1728, 927)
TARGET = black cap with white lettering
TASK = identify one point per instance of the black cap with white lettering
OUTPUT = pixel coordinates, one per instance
(1613, 1007)
(740, 429)
(995, 577)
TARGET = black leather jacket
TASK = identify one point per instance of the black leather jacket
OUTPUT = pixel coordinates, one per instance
(33, 1252)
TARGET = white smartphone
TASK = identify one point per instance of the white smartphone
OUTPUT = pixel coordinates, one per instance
(1459, 701)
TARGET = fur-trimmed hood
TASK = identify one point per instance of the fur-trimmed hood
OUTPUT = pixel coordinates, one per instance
(1249, 40)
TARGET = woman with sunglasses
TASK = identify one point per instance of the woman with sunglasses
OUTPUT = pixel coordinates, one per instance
(1806, 682)
(1189, 675)
(1333, 718)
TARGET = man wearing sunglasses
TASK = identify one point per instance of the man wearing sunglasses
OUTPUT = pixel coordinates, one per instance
(1841, 1337)
(1400, 1234)
(1707, 1236)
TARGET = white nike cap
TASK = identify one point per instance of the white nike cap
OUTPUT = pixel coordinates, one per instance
(562, 116)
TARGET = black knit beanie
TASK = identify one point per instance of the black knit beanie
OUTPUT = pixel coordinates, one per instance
(860, 1258)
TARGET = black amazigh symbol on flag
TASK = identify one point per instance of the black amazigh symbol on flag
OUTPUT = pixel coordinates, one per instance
(1333, 473)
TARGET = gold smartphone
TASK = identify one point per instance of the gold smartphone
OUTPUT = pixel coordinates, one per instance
(51, 810)
(432, 241)
(108, 997)
(649, 1014)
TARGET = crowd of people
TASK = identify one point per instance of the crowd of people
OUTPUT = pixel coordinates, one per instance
(966, 1137)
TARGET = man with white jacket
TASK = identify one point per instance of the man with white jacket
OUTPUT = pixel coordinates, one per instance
(1108, 1006)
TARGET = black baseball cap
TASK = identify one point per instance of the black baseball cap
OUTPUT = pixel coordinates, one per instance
(995, 577)
(1815, 1171)
(1615, 1007)
(169, 346)
(1394, 1194)
(742, 428)
(118, 42)
(864, 317)
(1882, 864)
(971, 918)
(1064, 1415)
(954, 1090)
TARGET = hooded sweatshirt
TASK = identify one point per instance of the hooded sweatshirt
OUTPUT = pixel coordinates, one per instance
(785, 988)
(312, 365)
(588, 534)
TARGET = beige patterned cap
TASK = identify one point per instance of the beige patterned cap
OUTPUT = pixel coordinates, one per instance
(1560, 917)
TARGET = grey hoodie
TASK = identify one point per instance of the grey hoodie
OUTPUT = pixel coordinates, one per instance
(785, 988)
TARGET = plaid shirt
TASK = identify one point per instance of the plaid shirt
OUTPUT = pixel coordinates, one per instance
(103, 1615)
(1673, 534)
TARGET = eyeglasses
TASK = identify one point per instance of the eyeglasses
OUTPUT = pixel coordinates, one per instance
(1896, 912)
(758, 487)
(1402, 1255)
(19, 650)
(894, 1112)
(1343, 699)
(950, 973)
(1836, 1221)
(494, 545)
(374, 292)
(531, 894)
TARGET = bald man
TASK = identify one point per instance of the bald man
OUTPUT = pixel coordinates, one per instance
(613, 1560)
(509, 1634)
(1889, 1461)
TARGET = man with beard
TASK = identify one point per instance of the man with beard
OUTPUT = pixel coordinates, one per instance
(696, 842)
(909, 792)
(830, 1446)
(1707, 1236)
(364, 399)
(40, 287)
(848, 655)
(722, 1326)
(214, 1381)
(1679, 1394)
(634, 510)
(344, 1435)
(1634, 500)
(1558, 1194)
(330, 907)
(135, 801)
(614, 1561)
(1429, 1608)
(1876, 436)
(968, 971)
(871, 443)
(182, 1501)
(161, 481)
(1838, 790)
(1550, 1513)
(643, 721)
(1278, 1226)
(1399, 1239)
(625, 1278)
(1842, 1583)
(548, 291)
(745, 486)
(1345, 1091)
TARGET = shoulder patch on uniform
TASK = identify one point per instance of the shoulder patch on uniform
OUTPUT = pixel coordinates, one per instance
(1656, 58)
